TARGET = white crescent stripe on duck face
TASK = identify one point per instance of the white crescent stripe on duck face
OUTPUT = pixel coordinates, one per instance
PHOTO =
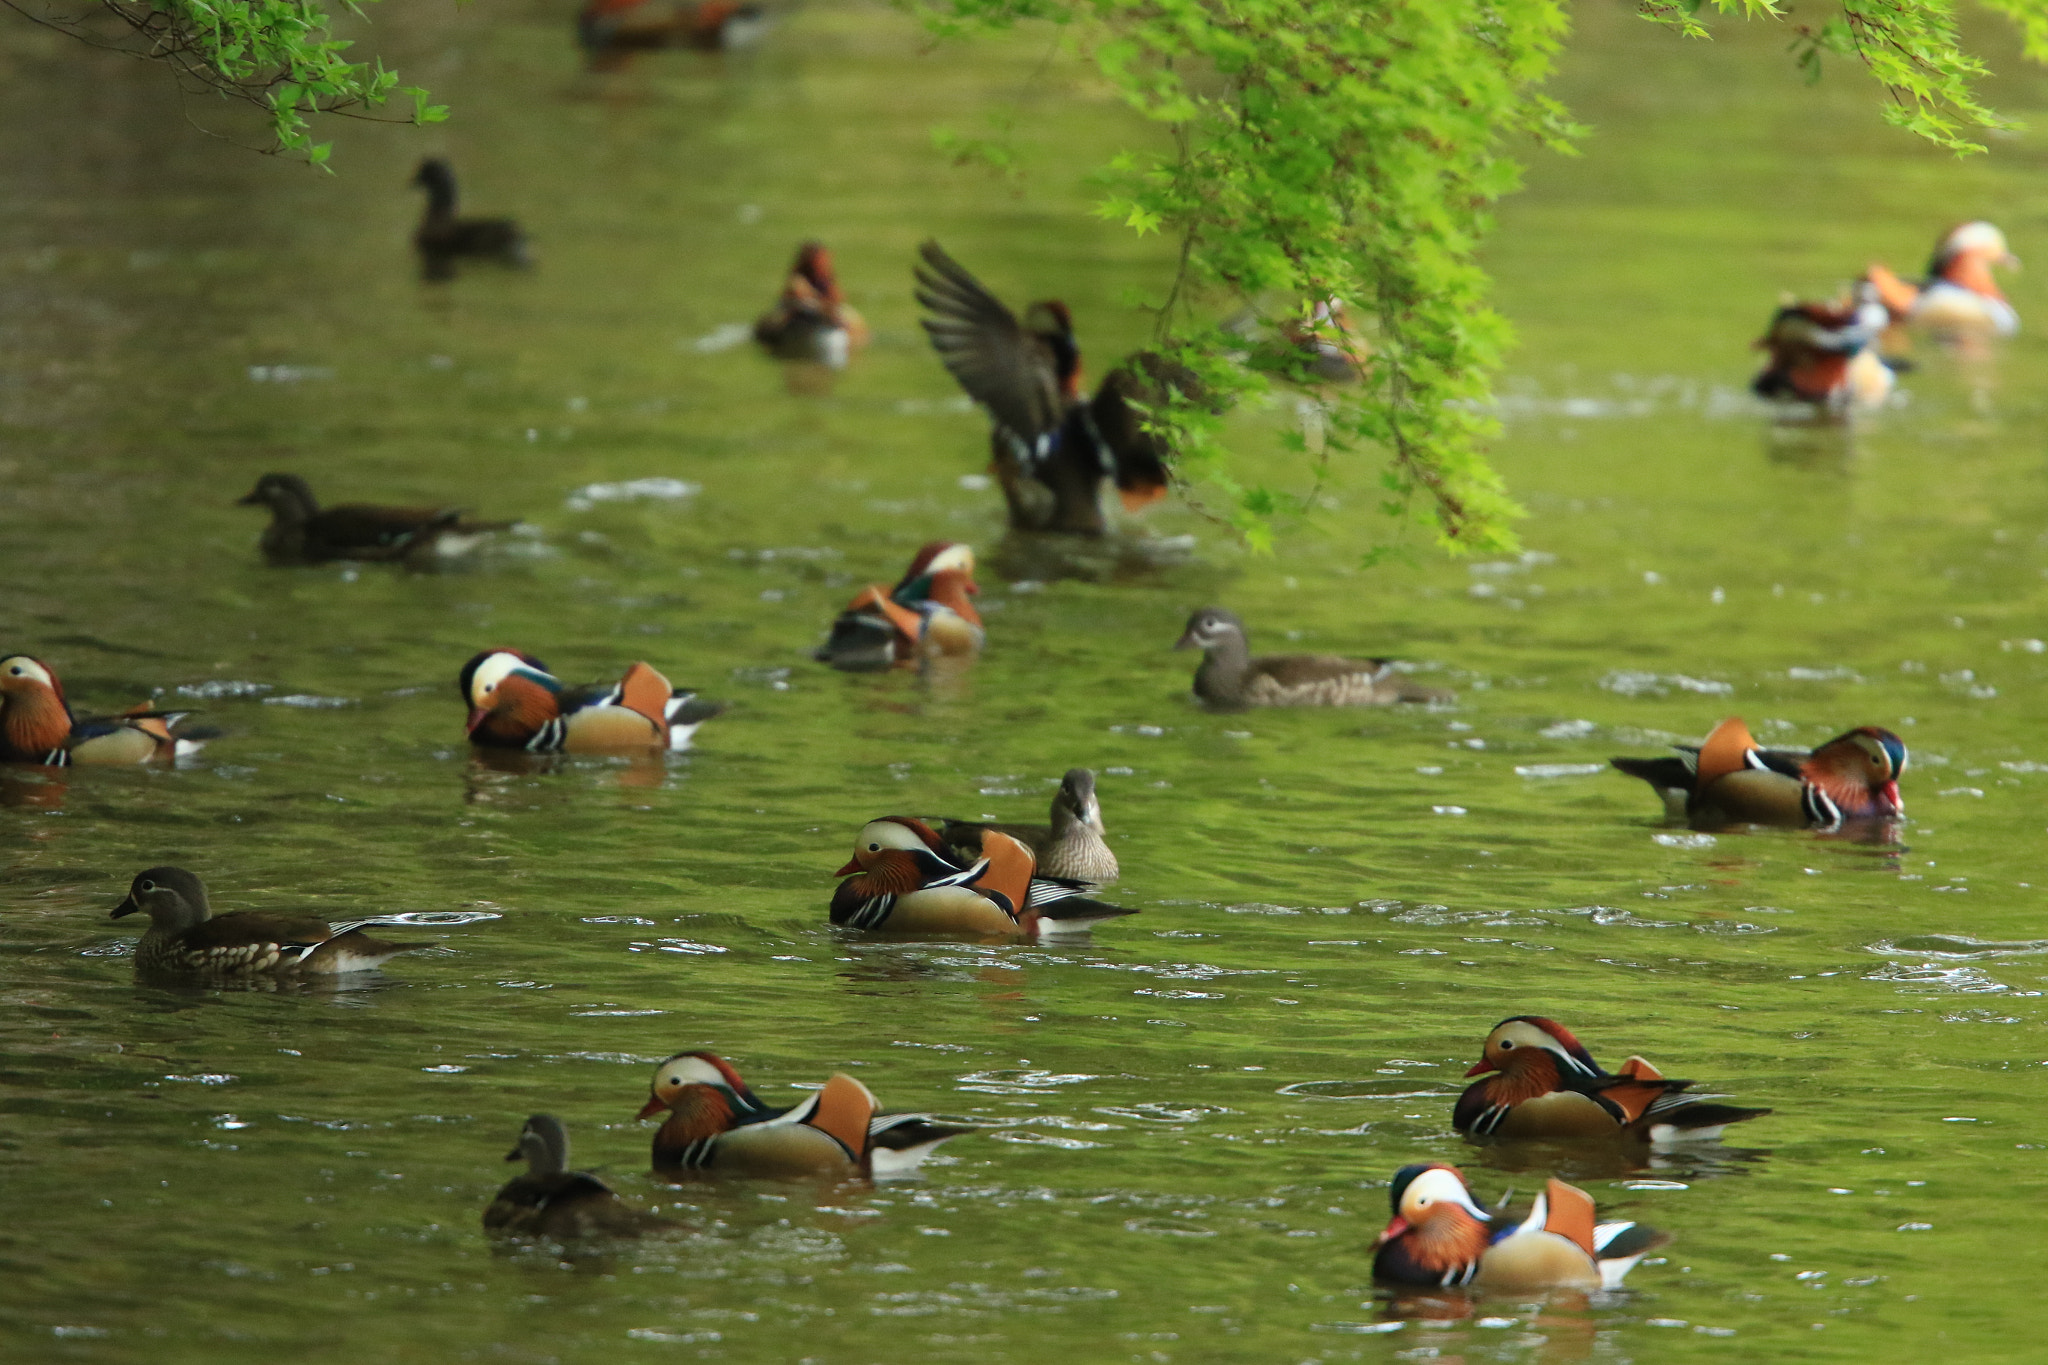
(496, 669)
(682, 1070)
(1441, 1186)
(21, 666)
(889, 834)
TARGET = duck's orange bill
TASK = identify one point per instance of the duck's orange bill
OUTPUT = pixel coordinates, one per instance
(852, 866)
(1394, 1229)
(651, 1109)
(1890, 792)
(1481, 1067)
(476, 718)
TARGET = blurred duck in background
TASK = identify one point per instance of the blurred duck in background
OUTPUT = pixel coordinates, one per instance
(811, 320)
(611, 31)
(1959, 297)
(1324, 345)
(927, 613)
(1825, 355)
(301, 531)
(445, 238)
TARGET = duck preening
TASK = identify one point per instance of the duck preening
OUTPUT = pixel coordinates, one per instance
(556, 1204)
(185, 936)
(445, 238)
(927, 613)
(712, 1123)
(1071, 846)
(1055, 451)
(515, 703)
(1542, 1084)
(1825, 354)
(1440, 1238)
(1731, 779)
(904, 879)
(37, 726)
(301, 531)
(1959, 297)
(610, 31)
(1230, 678)
(812, 320)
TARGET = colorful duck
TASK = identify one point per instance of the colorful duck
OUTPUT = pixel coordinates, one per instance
(1441, 1239)
(1071, 846)
(715, 1124)
(927, 613)
(556, 1204)
(904, 879)
(37, 726)
(185, 936)
(812, 319)
(515, 703)
(1959, 295)
(1541, 1083)
(1730, 779)
(610, 31)
(301, 531)
(1055, 451)
(1825, 354)
(444, 237)
(1231, 679)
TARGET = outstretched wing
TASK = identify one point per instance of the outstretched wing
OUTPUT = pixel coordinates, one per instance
(999, 362)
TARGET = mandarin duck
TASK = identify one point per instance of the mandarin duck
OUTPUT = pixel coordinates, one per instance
(812, 319)
(301, 531)
(1054, 451)
(557, 1204)
(1826, 355)
(904, 879)
(1541, 1083)
(1071, 846)
(715, 1124)
(1730, 779)
(515, 703)
(186, 937)
(1231, 679)
(1959, 295)
(444, 237)
(1324, 347)
(927, 613)
(610, 31)
(37, 726)
(1440, 1238)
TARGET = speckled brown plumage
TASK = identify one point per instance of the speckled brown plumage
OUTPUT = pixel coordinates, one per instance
(1230, 678)
(1072, 846)
(186, 938)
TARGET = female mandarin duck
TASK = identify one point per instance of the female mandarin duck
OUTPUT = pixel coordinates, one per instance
(301, 531)
(1441, 1239)
(717, 1125)
(1071, 846)
(904, 879)
(557, 1204)
(36, 725)
(1231, 679)
(1055, 451)
(1730, 779)
(812, 319)
(1959, 295)
(444, 237)
(1541, 1083)
(515, 703)
(1825, 355)
(610, 31)
(928, 612)
(185, 936)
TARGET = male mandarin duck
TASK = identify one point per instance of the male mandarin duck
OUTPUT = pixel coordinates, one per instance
(301, 531)
(1441, 1239)
(515, 703)
(611, 30)
(927, 612)
(1325, 346)
(37, 726)
(1071, 846)
(1541, 1083)
(444, 237)
(715, 1124)
(1231, 679)
(185, 936)
(554, 1203)
(1730, 779)
(904, 879)
(1959, 295)
(1055, 451)
(1825, 354)
(812, 319)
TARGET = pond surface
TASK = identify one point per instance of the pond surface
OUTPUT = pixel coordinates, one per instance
(1190, 1119)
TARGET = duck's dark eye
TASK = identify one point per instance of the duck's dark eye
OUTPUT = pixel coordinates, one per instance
(149, 886)
(874, 848)
(17, 670)
(1506, 1043)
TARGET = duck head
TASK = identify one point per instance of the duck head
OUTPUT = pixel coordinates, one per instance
(1076, 801)
(814, 263)
(887, 849)
(936, 557)
(1211, 628)
(1965, 257)
(287, 495)
(697, 1085)
(1437, 1234)
(173, 899)
(1532, 1055)
(506, 680)
(544, 1143)
(1860, 772)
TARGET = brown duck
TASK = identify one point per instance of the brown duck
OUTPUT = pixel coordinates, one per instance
(186, 937)
(557, 1204)
(1230, 678)
(1071, 846)
(444, 237)
(301, 531)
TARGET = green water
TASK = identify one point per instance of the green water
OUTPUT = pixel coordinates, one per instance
(1189, 1120)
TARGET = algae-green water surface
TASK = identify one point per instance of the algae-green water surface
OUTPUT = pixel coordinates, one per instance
(1189, 1121)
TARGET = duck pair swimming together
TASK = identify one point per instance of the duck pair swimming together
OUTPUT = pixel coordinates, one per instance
(903, 878)
(1730, 779)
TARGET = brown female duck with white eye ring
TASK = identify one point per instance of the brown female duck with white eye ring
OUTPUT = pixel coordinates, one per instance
(1230, 678)
(186, 937)
(1071, 846)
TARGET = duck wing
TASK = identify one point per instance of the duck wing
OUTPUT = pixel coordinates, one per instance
(1000, 363)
